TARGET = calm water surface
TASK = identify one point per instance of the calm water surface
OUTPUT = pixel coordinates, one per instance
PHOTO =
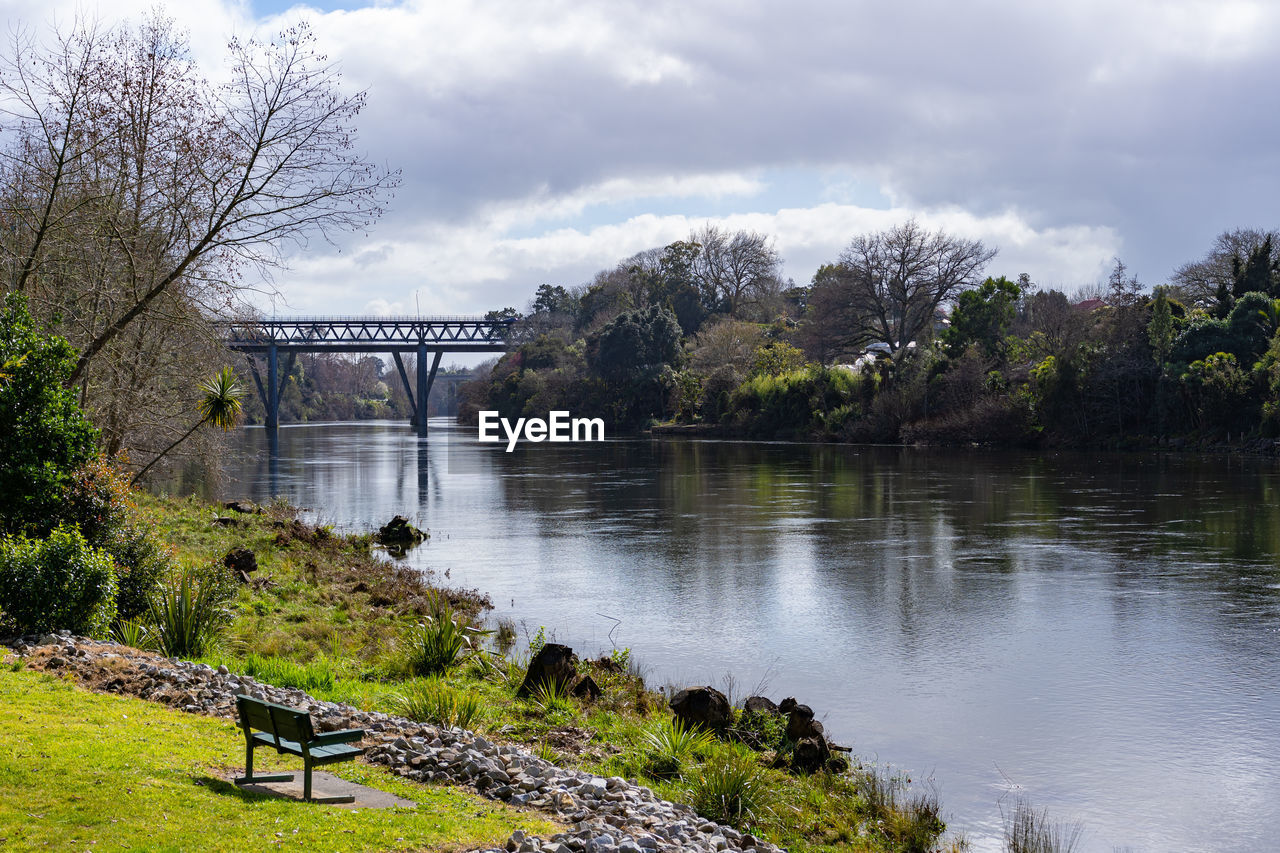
(1099, 634)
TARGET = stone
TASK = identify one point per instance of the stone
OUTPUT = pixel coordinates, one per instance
(553, 664)
(241, 561)
(242, 506)
(759, 705)
(586, 688)
(801, 724)
(398, 531)
(702, 706)
(810, 755)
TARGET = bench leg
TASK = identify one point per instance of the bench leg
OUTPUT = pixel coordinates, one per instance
(306, 790)
(248, 778)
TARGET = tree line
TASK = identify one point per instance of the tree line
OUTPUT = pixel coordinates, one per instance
(904, 337)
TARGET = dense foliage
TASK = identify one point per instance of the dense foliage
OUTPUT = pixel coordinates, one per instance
(946, 359)
(44, 437)
(58, 582)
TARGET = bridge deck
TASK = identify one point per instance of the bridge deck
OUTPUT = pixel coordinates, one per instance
(369, 334)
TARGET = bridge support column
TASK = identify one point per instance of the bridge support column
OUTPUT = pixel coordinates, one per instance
(426, 378)
(273, 388)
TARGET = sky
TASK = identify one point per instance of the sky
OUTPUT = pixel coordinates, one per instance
(543, 140)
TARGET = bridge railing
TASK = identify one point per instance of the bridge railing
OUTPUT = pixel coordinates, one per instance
(368, 331)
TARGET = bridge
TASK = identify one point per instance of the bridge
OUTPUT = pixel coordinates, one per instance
(420, 336)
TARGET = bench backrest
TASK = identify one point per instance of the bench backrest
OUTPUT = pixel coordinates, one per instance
(280, 720)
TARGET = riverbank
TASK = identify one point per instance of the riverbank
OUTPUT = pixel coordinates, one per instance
(326, 614)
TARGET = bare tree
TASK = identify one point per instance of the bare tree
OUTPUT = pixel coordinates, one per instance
(1200, 282)
(897, 279)
(735, 269)
(129, 177)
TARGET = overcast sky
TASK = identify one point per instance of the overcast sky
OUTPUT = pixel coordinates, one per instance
(541, 141)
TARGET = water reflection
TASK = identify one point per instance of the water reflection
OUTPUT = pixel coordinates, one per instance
(1101, 632)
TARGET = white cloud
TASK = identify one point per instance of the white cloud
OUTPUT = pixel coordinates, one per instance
(479, 267)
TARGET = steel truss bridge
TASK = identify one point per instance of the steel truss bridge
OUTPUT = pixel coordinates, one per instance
(425, 337)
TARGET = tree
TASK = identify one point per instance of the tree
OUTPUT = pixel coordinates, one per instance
(1205, 282)
(634, 344)
(1160, 329)
(220, 406)
(736, 269)
(825, 333)
(895, 281)
(44, 437)
(983, 317)
(129, 179)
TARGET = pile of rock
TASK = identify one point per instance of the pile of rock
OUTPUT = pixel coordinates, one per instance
(398, 535)
(708, 708)
(609, 815)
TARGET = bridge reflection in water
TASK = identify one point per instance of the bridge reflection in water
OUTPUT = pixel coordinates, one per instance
(422, 336)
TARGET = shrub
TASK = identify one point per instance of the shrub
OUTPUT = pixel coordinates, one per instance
(190, 611)
(141, 564)
(44, 437)
(132, 632)
(550, 696)
(59, 582)
(671, 744)
(730, 788)
(433, 701)
(438, 643)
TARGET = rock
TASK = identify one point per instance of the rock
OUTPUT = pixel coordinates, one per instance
(241, 561)
(398, 531)
(801, 724)
(810, 755)
(248, 507)
(759, 705)
(702, 706)
(553, 664)
(586, 688)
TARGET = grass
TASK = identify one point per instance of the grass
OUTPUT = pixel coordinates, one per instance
(81, 770)
(433, 701)
(324, 615)
(731, 787)
(1029, 831)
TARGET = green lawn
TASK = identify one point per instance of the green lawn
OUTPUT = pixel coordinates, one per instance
(80, 771)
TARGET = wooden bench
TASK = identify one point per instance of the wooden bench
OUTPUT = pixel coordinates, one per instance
(289, 730)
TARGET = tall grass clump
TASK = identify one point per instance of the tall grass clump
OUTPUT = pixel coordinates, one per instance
(671, 745)
(433, 701)
(1029, 831)
(551, 696)
(436, 644)
(189, 612)
(282, 672)
(912, 820)
(133, 633)
(730, 788)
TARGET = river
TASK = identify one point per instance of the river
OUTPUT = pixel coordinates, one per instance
(1099, 634)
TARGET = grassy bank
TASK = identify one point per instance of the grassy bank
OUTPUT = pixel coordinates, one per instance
(82, 770)
(326, 614)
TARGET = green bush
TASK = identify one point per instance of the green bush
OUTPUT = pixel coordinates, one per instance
(59, 582)
(671, 745)
(44, 437)
(189, 612)
(98, 500)
(797, 403)
(438, 643)
(731, 788)
(433, 701)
